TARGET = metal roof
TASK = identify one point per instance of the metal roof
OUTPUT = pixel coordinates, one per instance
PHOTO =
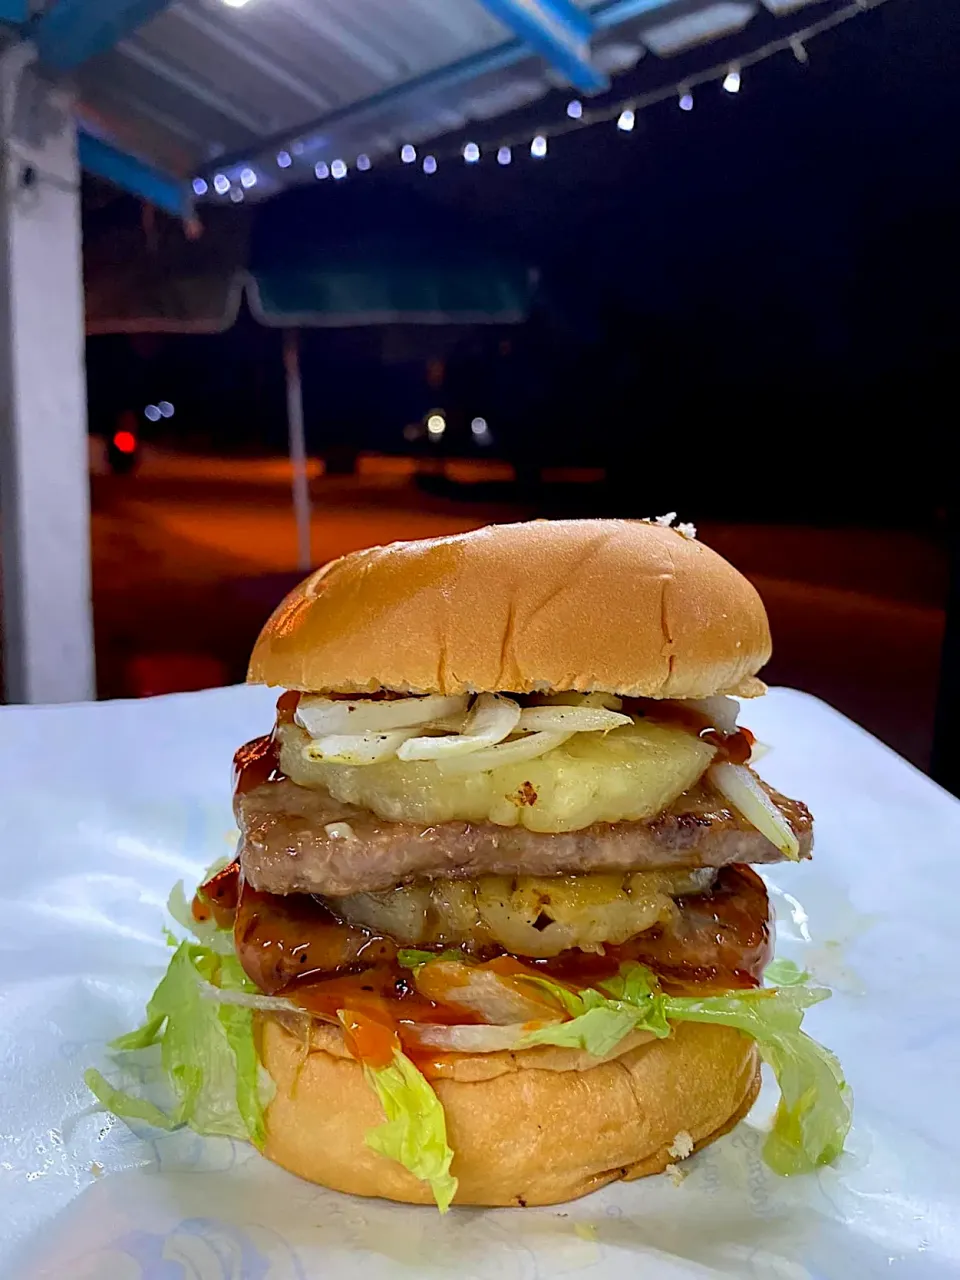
(200, 87)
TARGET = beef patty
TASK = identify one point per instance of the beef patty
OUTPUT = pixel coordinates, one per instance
(286, 848)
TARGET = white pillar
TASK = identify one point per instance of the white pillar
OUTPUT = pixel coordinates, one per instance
(298, 448)
(44, 484)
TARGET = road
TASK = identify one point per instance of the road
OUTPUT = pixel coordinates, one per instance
(190, 555)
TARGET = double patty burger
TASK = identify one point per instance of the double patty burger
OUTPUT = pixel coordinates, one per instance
(493, 933)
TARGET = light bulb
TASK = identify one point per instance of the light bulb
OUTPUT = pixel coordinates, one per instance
(538, 147)
(471, 153)
(283, 160)
(436, 425)
(429, 164)
(321, 169)
(408, 153)
(686, 102)
(221, 184)
(200, 187)
(339, 169)
(626, 121)
(731, 81)
(479, 426)
(248, 179)
(363, 162)
(575, 109)
(504, 155)
(236, 195)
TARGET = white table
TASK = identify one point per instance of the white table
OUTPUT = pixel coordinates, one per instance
(104, 806)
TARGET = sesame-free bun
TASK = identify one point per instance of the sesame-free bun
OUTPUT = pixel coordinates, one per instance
(622, 606)
(536, 1127)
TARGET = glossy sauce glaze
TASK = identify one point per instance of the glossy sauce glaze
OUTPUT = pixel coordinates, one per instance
(295, 946)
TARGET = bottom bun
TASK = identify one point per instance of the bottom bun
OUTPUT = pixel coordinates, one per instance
(524, 1137)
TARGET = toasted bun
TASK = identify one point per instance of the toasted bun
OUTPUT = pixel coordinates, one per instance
(536, 1127)
(615, 605)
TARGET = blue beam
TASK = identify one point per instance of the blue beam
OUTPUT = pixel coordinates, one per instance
(74, 31)
(604, 14)
(133, 175)
(558, 31)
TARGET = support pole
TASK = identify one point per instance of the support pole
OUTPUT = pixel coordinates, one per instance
(298, 447)
(44, 484)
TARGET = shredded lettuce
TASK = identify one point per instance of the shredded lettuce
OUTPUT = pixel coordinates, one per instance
(207, 1050)
(598, 1023)
(816, 1104)
(415, 1133)
(410, 958)
(784, 973)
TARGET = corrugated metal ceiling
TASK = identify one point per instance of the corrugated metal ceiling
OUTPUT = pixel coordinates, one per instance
(204, 83)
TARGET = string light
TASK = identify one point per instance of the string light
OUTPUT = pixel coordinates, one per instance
(624, 114)
(248, 179)
(363, 162)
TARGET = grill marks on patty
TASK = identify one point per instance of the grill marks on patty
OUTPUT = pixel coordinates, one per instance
(285, 847)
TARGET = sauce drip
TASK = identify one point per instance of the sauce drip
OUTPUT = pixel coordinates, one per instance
(258, 762)
(372, 1041)
(218, 897)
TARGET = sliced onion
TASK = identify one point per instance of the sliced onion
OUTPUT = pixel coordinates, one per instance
(520, 749)
(492, 717)
(247, 999)
(321, 716)
(561, 719)
(605, 701)
(743, 790)
(499, 1000)
(356, 748)
(720, 710)
(477, 1039)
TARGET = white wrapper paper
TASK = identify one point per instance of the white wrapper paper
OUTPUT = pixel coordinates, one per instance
(103, 807)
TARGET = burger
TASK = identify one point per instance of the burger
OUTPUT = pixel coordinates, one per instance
(493, 933)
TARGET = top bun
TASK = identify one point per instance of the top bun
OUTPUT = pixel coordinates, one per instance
(622, 606)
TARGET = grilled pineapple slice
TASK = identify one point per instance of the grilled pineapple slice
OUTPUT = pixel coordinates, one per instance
(626, 774)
